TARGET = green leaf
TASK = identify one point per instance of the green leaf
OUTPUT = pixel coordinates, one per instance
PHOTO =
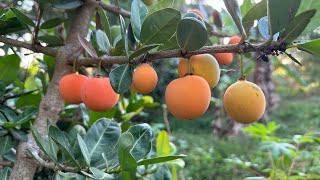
(246, 6)
(22, 17)
(143, 50)
(99, 174)
(169, 44)
(124, 35)
(312, 47)
(84, 150)
(263, 27)
(143, 137)
(234, 10)
(5, 173)
(68, 176)
(162, 173)
(191, 34)
(10, 26)
(160, 159)
(26, 115)
(105, 23)
(20, 135)
(5, 144)
(2, 89)
(3, 132)
(102, 41)
(102, 137)
(160, 26)
(9, 68)
(73, 139)
(62, 141)
(51, 23)
(139, 12)
(67, 4)
(51, 40)
(163, 144)
(255, 13)
(281, 13)
(8, 114)
(296, 26)
(87, 46)
(126, 160)
(94, 116)
(121, 78)
(307, 5)
(161, 5)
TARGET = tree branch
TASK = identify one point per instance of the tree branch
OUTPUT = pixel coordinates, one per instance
(114, 9)
(6, 163)
(34, 48)
(239, 48)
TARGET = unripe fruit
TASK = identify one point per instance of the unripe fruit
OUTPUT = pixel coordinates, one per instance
(244, 102)
(70, 87)
(204, 65)
(98, 95)
(197, 12)
(234, 39)
(144, 79)
(188, 97)
(224, 58)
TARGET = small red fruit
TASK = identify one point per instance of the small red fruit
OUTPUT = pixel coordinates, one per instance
(70, 87)
(234, 39)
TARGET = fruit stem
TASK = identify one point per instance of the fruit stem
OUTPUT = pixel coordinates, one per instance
(242, 76)
(74, 65)
(189, 67)
(99, 68)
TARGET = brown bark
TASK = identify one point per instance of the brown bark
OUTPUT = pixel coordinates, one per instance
(52, 104)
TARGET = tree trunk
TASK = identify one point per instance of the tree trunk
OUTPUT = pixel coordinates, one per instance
(52, 104)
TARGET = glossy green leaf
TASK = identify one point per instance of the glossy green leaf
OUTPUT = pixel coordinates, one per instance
(84, 150)
(6, 144)
(94, 116)
(281, 13)
(143, 137)
(139, 12)
(296, 26)
(10, 26)
(62, 141)
(312, 47)
(124, 35)
(102, 41)
(5, 173)
(163, 144)
(51, 40)
(174, 173)
(20, 135)
(3, 132)
(191, 34)
(8, 114)
(235, 12)
(161, 5)
(99, 174)
(255, 13)
(263, 27)
(67, 4)
(68, 176)
(126, 160)
(102, 137)
(2, 89)
(22, 17)
(314, 23)
(87, 46)
(26, 115)
(9, 68)
(160, 159)
(160, 26)
(73, 139)
(121, 78)
(163, 172)
(143, 50)
(105, 24)
(51, 23)
(246, 6)
(170, 44)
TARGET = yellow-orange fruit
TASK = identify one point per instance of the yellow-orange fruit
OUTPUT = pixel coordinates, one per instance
(234, 39)
(98, 95)
(204, 65)
(188, 97)
(144, 79)
(70, 87)
(244, 102)
(224, 58)
(197, 12)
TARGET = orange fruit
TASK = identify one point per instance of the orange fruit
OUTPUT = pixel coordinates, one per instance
(204, 65)
(98, 95)
(197, 12)
(70, 87)
(234, 39)
(144, 79)
(244, 102)
(188, 97)
(224, 58)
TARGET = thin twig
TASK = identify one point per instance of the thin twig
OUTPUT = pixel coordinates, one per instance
(5, 6)
(6, 163)
(114, 9)
(165, 119)
(36, 30)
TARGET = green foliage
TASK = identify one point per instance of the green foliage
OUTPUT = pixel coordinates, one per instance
(9, 67)
(121, 78)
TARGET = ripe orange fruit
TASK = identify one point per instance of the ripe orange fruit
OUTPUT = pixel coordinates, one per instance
(224, 58)
(234, 39)
(188, 97)
(204, 65)
(70, 87)
(244, 102)
(98, 95)
(144, 79)
(197, 12)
